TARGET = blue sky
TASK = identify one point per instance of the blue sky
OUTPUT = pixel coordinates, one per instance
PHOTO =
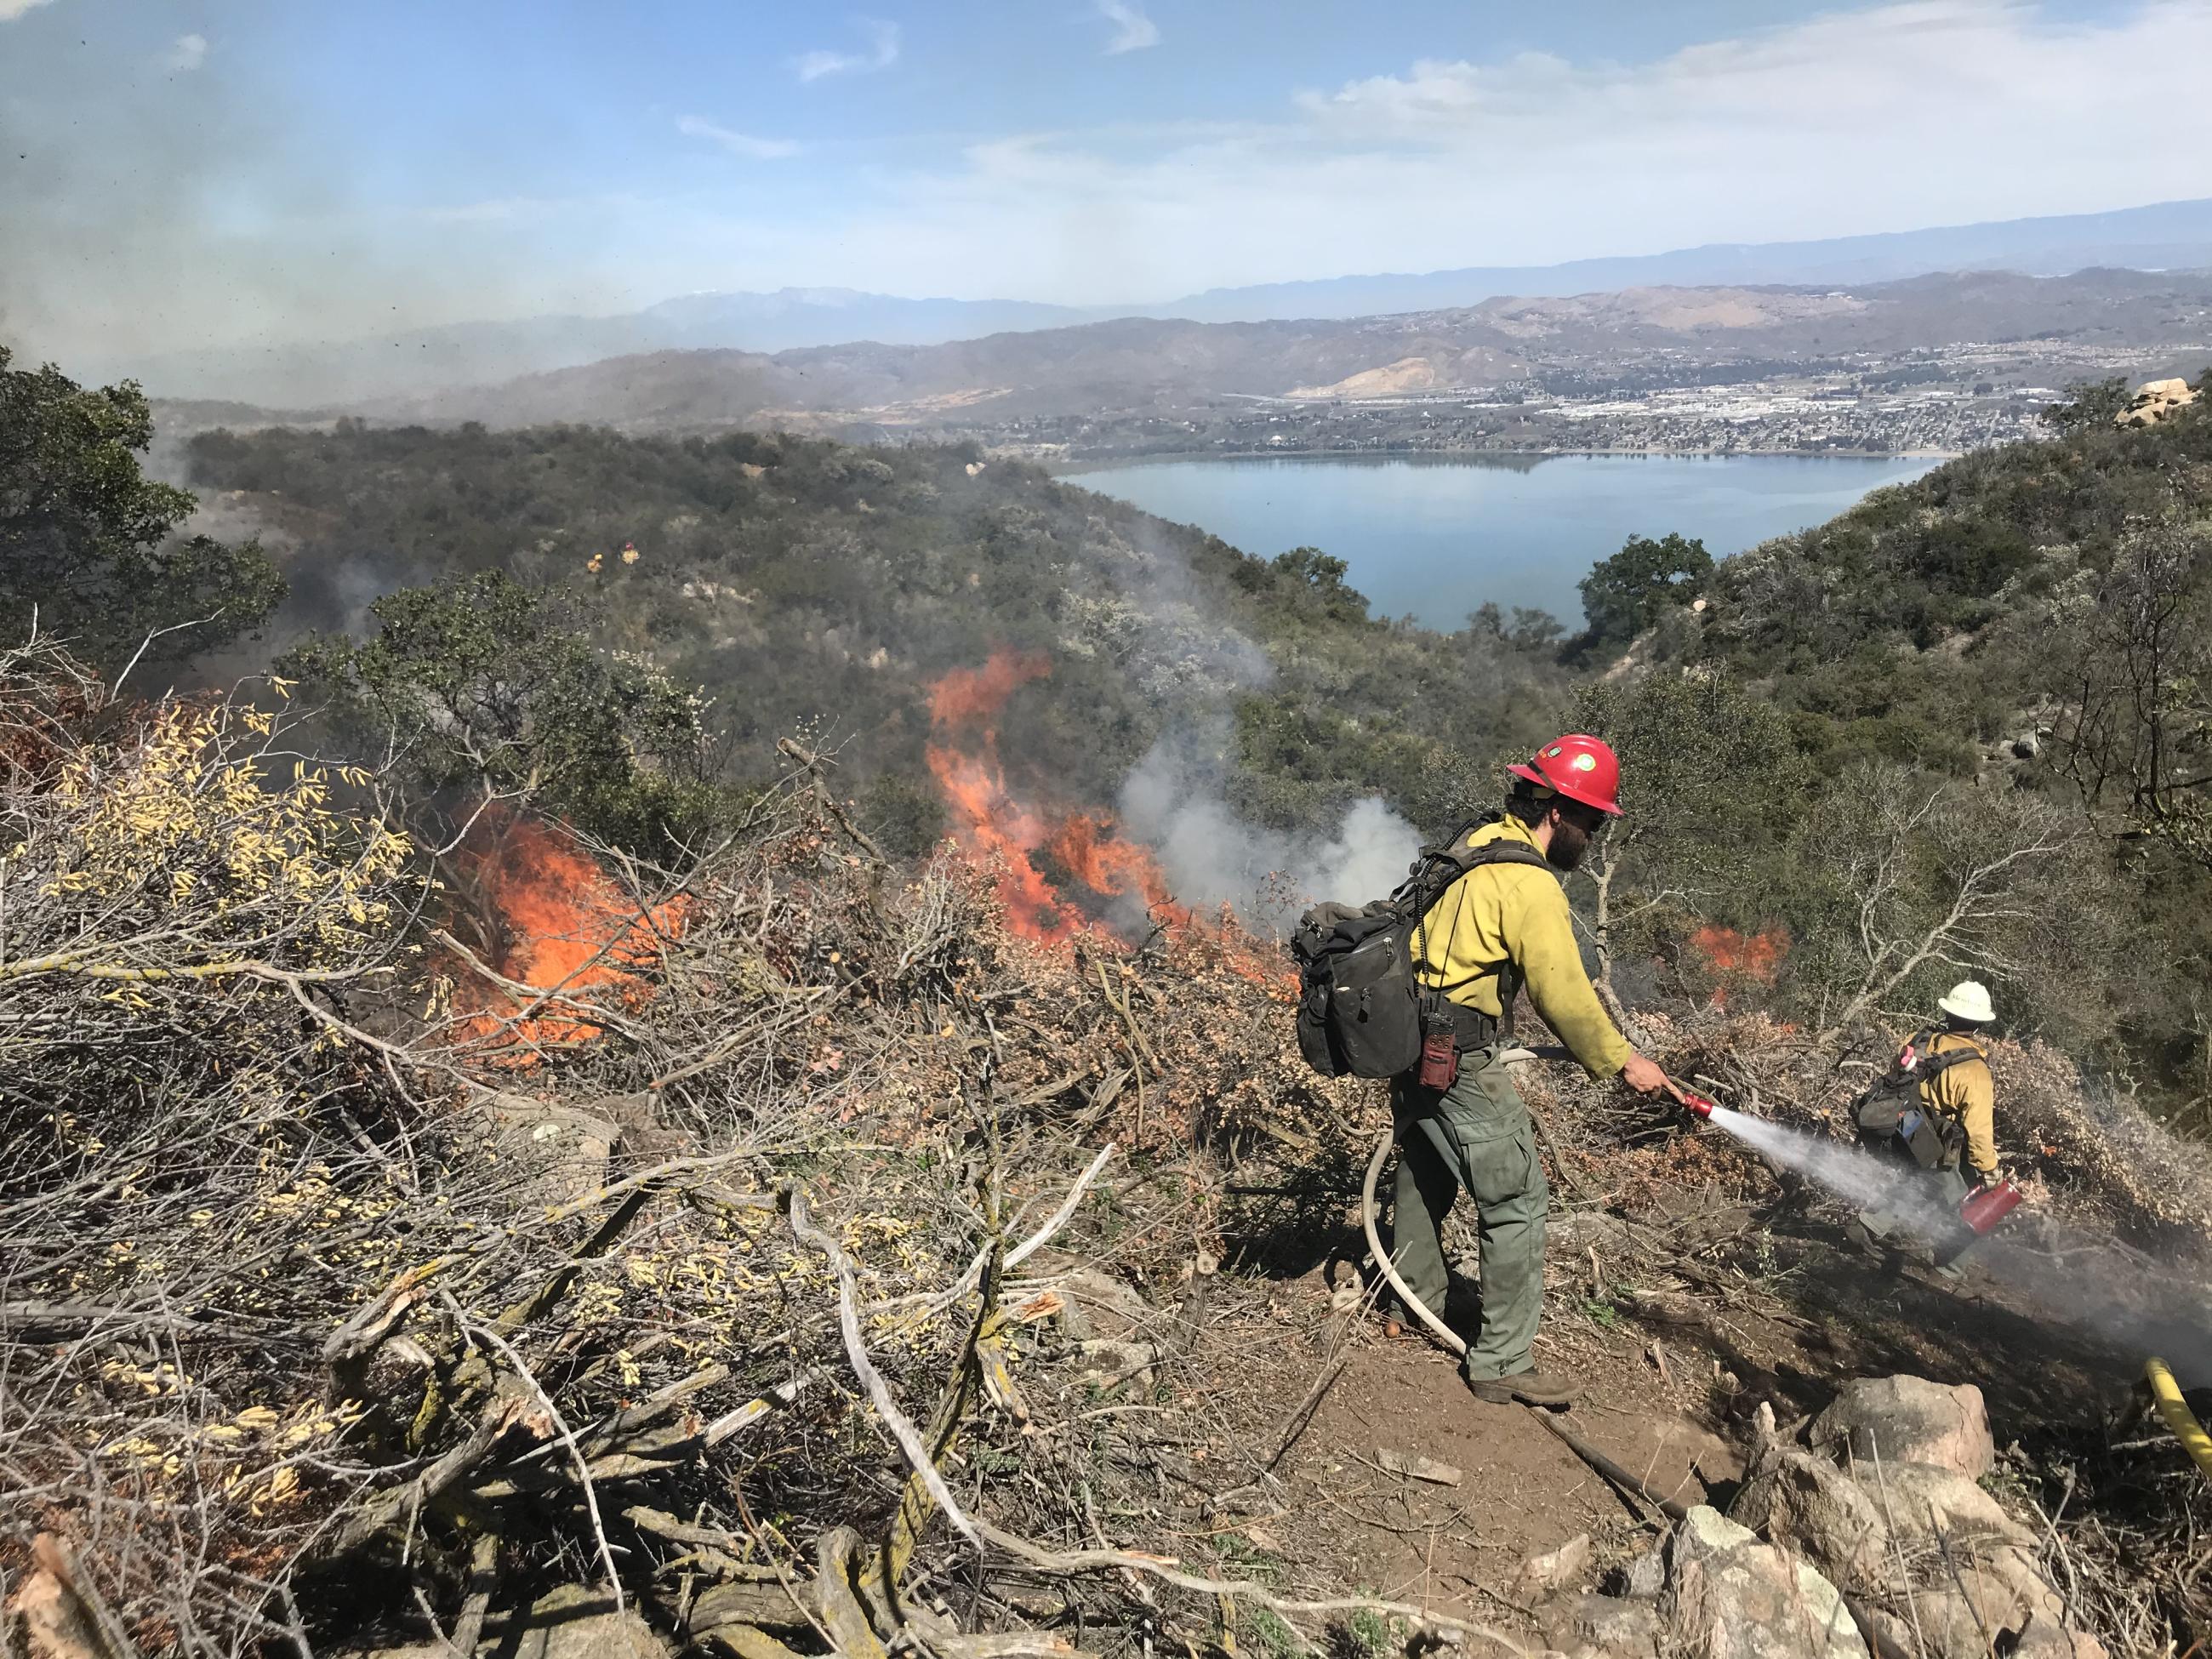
(198, 170)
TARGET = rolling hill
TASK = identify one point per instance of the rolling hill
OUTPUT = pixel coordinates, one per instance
(416, 362)
(1164, 364)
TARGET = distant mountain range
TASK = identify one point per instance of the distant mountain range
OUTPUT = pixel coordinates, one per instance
(1164, 365)
(2169, 236)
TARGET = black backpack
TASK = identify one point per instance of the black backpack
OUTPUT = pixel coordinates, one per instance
(1892, 1104)
(1359, 1000)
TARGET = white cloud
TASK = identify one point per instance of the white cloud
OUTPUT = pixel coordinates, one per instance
(186, 53)
(1132, 30)
(11, 9)
(883, 51)
(1890, 117)
(738, 143)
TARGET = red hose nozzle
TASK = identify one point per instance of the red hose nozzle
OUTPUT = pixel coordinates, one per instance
(1697, 1105)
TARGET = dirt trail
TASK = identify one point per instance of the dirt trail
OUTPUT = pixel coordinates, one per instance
(1799, 1314)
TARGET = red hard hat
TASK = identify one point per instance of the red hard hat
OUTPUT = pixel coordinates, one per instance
(1579, 767)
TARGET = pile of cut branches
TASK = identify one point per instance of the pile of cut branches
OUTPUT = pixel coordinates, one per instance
(364, 1287)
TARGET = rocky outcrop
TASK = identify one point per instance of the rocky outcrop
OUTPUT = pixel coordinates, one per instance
(1909, 1420)
(1885, 1497)
(1730, 1596)
(1934, 1563)
(2155, 401)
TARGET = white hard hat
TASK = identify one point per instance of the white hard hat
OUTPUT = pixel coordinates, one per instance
(1969, 1000)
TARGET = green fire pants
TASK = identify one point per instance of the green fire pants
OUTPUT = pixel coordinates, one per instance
(1477, 1134)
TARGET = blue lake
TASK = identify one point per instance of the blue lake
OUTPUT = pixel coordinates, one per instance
(1433, 538)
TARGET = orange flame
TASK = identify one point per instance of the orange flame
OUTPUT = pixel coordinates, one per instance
(1754, 956)
(992, 825)
(1090, 851)
(978, 694)
(555, 921)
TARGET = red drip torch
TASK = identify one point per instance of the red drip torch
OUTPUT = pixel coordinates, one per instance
(1984, 1209)
(1695, 1105)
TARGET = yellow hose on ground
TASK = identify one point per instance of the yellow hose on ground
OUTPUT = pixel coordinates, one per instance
(2167, 1393)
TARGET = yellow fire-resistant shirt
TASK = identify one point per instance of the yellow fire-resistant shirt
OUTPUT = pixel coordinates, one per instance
(1517, 913)
(1967, 1095)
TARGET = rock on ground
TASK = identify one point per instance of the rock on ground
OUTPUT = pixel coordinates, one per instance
(1733, 1597)
(1990, 1605)
(569, 1153)
(1548, 1574)
(50, 1620)
(1097, 1304)
(1804, 1503)
(1602, 1627)
(1928, 1506)
(579, 1621)
(1909, 1420)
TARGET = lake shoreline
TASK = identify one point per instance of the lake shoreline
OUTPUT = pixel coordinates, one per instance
(1061, 467)
(1436, 535)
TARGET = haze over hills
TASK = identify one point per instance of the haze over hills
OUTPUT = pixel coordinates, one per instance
(1166, 364)
(2168, 236)
(415, 363)
(423, 361)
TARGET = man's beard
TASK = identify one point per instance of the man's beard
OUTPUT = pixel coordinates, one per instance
(1570, 845)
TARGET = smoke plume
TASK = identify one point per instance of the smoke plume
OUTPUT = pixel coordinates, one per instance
(1175, 799)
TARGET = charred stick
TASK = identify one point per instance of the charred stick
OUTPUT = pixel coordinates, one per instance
(561, 1427)
(810, 763)
(506, 1406)
(1304, 1414)
(484, 1577)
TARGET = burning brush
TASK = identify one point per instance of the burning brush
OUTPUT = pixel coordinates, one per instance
(1082, 851)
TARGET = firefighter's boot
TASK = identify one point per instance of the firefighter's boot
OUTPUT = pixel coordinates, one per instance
(1529, 1388)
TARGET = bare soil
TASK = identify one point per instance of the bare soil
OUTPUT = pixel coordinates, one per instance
(1674, 1357)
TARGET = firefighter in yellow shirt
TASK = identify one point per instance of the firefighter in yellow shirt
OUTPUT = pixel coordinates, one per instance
(1938, 1106)
(1502, 929)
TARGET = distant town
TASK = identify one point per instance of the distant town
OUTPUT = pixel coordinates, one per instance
(1939, 401)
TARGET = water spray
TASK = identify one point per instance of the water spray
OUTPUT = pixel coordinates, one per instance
(2092, 1298)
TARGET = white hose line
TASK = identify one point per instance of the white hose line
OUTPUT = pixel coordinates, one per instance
(1443, 1332)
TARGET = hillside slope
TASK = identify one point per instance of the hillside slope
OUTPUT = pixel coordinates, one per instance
(415, 362)
(1912, 675)
(806, 585)
(2032, 621)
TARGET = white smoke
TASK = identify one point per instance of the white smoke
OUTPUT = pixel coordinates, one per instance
(1173, 800)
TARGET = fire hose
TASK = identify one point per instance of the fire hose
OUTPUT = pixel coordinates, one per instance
(1413, 1304)
(2165, 1394)
(1604, 1466)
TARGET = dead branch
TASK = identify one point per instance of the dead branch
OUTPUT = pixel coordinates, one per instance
(856, 1352)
